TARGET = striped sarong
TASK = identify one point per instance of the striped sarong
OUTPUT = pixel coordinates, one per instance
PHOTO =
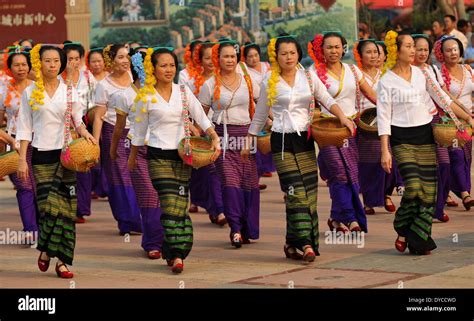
(206, 191)
(339, 165)
(147, 198)
(239, 184)
(375, 183)
(444, 177)
(57, 203)
(415, 153)
(25, 195)
(121, 195)
(461, 159)
(298, 174)
(170, 178)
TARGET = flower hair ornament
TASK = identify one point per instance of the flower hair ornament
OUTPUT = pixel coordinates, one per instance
(37, 96)
(198, 69)
(107, 59)
(392, 55)
(147, 91)
(137, 64)
(315, 51)
(438, 50)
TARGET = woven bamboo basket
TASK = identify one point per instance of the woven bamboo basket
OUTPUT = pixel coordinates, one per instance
(83, 156)
(329, 132)
(201, 151)
(263, 142)
(8, 163)
(366, 118)
(445, 134)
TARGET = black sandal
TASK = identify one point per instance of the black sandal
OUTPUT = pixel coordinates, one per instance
(467, 205)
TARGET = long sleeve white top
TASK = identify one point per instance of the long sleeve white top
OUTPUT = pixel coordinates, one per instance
(48, 121)
(165, 121)
(402, 103)
(291, 107)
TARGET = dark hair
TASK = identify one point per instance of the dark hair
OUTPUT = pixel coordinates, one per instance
(205, 45)
(11, 56)
(23, 40)
(462, 23)
(70, 46)
(249, 46)
(62, 56)
(161, 51)
(363, 43)
(289, 40)
(114, 50)
(337, 35)
(384, 48)
(399, 38)
(229, 44)
(193, 45)
(460, 45)
(430, 45)
(450, 16)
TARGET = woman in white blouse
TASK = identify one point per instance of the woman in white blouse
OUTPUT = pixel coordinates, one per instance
(187, 73)
(290, 94)
(147, 198)
(55, 185)
(459, 83)
(257, 70)
(165, 114)
(18, 66)
(339, 165)
(376, 186)
(231, 96)
(404, 117)
(84, 83)
(205, 186)
(121, 194)
(423, 48)
(96, 65)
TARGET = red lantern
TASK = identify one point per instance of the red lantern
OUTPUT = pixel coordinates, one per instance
(326, 4)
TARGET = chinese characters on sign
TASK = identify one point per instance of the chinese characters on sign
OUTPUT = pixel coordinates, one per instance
(26, 19)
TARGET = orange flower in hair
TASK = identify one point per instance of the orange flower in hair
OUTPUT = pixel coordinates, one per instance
(217, 71)
(357, 57)
(242, 55)
(198, 69)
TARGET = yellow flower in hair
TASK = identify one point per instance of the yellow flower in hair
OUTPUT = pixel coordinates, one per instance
(392, 50)
(275, 75)
(37, 96)
(150, 81)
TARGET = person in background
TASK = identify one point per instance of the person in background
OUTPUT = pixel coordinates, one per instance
(450, 29)
(469, 53)
(465, 27)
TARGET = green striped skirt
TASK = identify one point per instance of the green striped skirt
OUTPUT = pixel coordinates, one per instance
(57, 204)
(417, 166)
(170, 178)
(298, 174)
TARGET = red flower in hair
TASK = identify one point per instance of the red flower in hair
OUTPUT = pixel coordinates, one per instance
(318, 57)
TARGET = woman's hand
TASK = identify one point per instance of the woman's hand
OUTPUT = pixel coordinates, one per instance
(245, 151)
(349, 124)
(113, 152)
(88, 136)
(22, 171)
(71, 67)
(131, 163)
(216, 147)
(195, 130)
(386, 161)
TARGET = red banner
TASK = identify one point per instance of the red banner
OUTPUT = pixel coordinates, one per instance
(43, 21)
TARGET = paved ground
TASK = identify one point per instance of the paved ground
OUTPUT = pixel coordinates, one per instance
(106, 260)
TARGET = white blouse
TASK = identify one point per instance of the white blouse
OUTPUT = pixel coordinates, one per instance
(105, 88)
(85, 88)
(258, 76)
(344, 92)
(364, 102)
(403, 104)
(48, 121)
(183, 77)
(291, 108)
(233, 111)
(165, 121)
(12, 110)
(123, 101)
(462, 90)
